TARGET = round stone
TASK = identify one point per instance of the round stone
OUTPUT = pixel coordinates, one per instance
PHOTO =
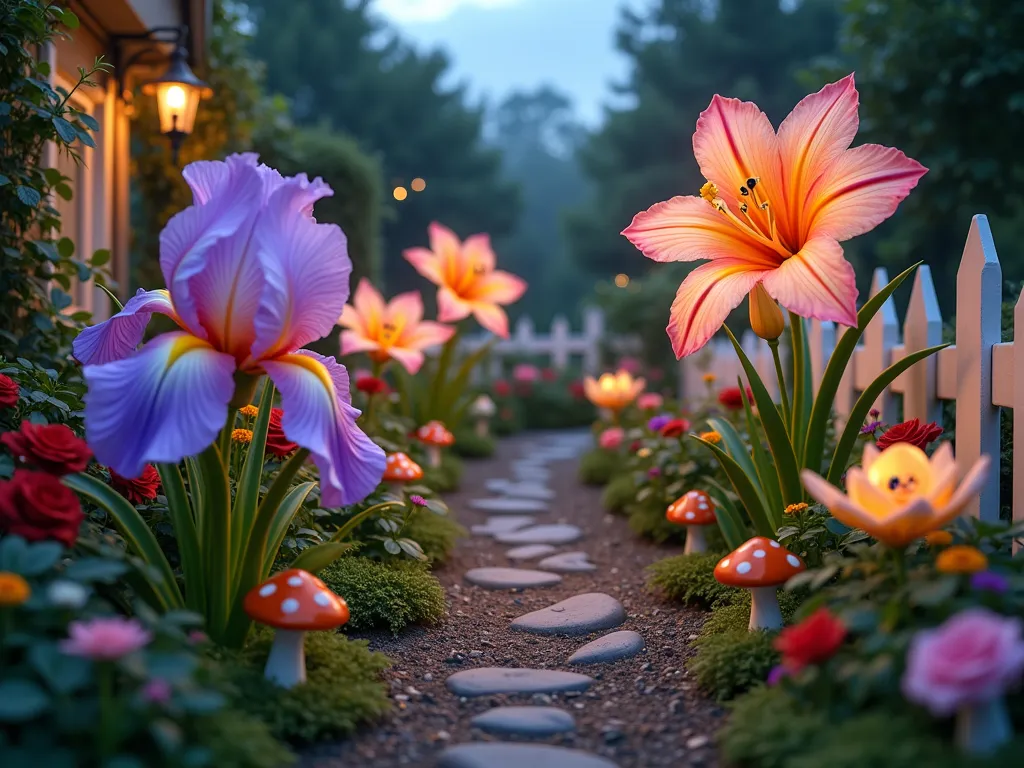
(530, 552)
(567, 562)
(509, 506)
(579, 615)
(613, 646)
(511, 578)
(525, 721)
(490, 681)
(511, 755)
(558, 533)
(496, 525)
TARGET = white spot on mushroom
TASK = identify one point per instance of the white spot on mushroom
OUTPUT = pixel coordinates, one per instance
(267, 590)
(793, 560)
(322, 599)
(775, 544)
(725, 563)
(702, 505)
(759, 553)
(291, 605)
(294, 581)
(689, 515)
(743, 568)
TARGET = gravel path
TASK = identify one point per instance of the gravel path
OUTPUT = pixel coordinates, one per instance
(638, 712)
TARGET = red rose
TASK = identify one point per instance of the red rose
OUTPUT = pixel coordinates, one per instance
(549, 374)
(137, 490)
(52, 448)
(9, 392)
(812, 641)
(635, 446)
(277, 443)
(576, 389)
(675, 428)
(913, 432)
(38, 507)
(502, 388)
(371, 385)
(732, 397)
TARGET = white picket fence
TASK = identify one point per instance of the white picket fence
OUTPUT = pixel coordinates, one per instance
(979, 373)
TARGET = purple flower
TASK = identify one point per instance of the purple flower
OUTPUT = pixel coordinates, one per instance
(157, 691)
(418, 500)
(252, 278)
(657, 422)
(775, 676)
(874, 413)
(653, 472)
(989, 581)
(869, 429)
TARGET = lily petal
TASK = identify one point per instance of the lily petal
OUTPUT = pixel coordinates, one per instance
(410, 359)
(838, 503)
(404, 311)
(118, 336)
(369, 304)
(816, 282)
(969, 487)
(451, 259)
(451, 307)
(498, 287)
(478, 252)
(353, 342)
(861, 189)
(425, 262)
(167, 402)
(492, 317)
(318, 415)
(705, 299)
(350, 318)
(690, 229)
(428, 334)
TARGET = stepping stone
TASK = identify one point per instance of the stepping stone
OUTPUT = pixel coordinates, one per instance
(509, 755)
(489, 681)
(507, 506)
(525, 721)
(530, 552)
(520, 490)
(556, 533)
(496, 525)
(511, 578)
(612, 647)
(568, 562)
(579, 615)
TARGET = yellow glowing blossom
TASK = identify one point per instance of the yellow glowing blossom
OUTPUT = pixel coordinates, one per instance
(241, 435)
(643, 453)
(939, 539)
(249, 411)
(796, 509)
(709, 378)
(14, 590)
(711, 437)
(613, 391)
(899, 494)
(961, 559)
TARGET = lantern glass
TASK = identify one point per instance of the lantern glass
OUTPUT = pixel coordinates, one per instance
(177, 104)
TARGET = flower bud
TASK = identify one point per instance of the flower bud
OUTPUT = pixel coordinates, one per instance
(765, 316)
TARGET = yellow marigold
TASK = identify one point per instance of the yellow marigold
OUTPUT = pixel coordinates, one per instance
(14, 590)
(249, 411)
(711, 437)
(939, 539)
(795, 509)
(643, 453)
(961, 559)
(709, 378)
(241, 435)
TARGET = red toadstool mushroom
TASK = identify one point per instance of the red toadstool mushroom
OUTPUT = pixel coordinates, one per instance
(399, 470)
(293, 602)
(435, 436)
(760, 565)
(694, 509)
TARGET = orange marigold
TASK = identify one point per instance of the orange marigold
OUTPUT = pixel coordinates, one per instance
(249, 411)
(711, 437)
(961, 559)
(241, 435)
(939, 539)
(795, 509)
(14, 590)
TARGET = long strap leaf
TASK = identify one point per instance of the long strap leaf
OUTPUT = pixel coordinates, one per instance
(441, 374)
(841, 456)
(814, 447)
(453, 390)
(247, 491)
(294, 499)
(195, 489)
(730, 521)
(186, 536)
(803, 384)
(744, 488)
(766, 474)
(216, 538)
(136, 533)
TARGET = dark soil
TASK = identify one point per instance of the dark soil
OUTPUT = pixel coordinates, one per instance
(642, 712)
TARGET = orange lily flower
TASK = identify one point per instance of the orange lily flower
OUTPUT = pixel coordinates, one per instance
(392, 330)
(773, 211)
(466, 279)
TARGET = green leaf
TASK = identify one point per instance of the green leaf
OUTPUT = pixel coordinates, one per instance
(730, 521)
(60, 299)
(39, 558)
(187, 537)
(90, 569)
(745, 489)
(215, 541)
(65, 130)
(4, 180)
(454, 390)
(803, 393)
(100, 257)
(315, 559)
(62, 673)
(247, 494)
(295, 498)
(814, 446)
(21, 700)
(66, 247)
(89, 121)
(70, 19)
(28, 196)
(766, 474)
(412, 549)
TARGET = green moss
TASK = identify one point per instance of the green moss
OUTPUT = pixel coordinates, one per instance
(731, 663)
(239, 740)
(648, 521)
(598, 466)
(766, 728)
(343, 688)
(436, 534)
(727, 618)
(618, 493)
(469, 445)
(690, 579)
(391, 594)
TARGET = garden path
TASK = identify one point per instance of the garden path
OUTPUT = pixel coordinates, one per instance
(541, 595)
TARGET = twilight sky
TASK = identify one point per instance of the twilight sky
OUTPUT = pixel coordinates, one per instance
(500, 45)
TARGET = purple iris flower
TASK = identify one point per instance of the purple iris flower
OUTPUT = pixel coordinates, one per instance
(989, 581)
(869, 429)
(657, 422)
(251, 279)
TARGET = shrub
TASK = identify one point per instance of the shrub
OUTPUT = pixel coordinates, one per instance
(766, 728)
(598, 466)
(618, 493)
(343, 688)
(436, 534)
(239, 740)
(470, 445)
(733, 662)
(444, 478)
(690, 579)
(647, 519)
(391, 594)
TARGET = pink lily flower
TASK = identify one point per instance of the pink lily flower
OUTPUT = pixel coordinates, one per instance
(468, 284)
(773, 211)
(392, 330)
(251, 278)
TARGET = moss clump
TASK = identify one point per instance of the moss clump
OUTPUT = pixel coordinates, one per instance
(469, 445)
(343, 688)
(728, 618)
(690, 579)
(391, 594)
(648, 521)
(436, 534)
(618, 493)
(239, 740)
(731, 663)
(767, 727)
(598, 466)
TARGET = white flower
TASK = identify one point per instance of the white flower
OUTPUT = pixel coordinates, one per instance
(67, 594)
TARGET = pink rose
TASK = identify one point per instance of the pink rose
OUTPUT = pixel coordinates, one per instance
(970, 659)
(524, 373)
(611, 438)
(105, 639)
(629, 364)
(650, 401)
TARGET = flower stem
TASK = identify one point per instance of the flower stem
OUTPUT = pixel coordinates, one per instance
(787, 412)
(107, 741)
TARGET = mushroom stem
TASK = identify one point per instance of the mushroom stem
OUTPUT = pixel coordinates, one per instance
(398, 489)
(434, 454)
(764, 609)
(481, 426)
(982, 728)
(695, 541)
(286, 664)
